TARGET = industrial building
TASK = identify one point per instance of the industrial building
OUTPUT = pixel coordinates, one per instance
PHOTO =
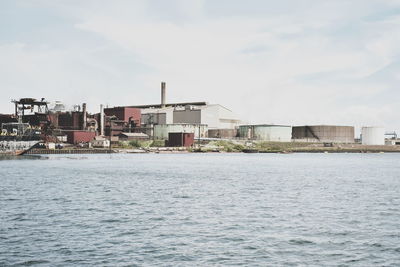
(131, 116)
(161, 132)
(265, 132)
(76, 137)
(181, 121)
(323, 133)
(373, 136)
(215, 116)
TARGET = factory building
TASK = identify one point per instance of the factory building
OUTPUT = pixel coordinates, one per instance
(161, 131)
(129, 115)
(76, 137)
(373, 136)
(265, 132)
(214, 115)
(323, 133)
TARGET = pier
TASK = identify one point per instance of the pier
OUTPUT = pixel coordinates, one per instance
(69, 151)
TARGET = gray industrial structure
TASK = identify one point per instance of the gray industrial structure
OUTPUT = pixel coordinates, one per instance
(223, 133)
(323, 133)
(266, 132)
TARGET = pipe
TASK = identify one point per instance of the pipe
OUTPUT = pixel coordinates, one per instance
(163, 88)
(101, 123)
(84, 123)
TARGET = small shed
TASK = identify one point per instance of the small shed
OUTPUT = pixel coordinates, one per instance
(180, 139)
(100, 142)
(76, 137)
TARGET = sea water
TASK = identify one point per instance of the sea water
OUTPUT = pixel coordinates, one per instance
(200, 210)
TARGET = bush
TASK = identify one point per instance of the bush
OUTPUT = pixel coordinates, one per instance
(228, 146)
(157, 143)
(135, 143)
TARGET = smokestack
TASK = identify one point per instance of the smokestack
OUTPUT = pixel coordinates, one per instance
(84, 116)
(163, 94)
(101, 123)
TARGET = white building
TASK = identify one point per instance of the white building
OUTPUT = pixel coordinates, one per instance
(100, 142)
(214, 116)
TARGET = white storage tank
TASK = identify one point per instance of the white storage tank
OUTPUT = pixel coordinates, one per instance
(373, 136)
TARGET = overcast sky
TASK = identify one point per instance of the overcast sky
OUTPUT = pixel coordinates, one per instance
(284, 62)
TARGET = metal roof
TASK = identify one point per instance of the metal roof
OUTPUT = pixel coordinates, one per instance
(170, 105)
(134, 134)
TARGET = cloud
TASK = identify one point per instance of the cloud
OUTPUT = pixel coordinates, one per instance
(308, 62)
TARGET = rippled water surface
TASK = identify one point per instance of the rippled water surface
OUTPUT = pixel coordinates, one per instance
(201, 210)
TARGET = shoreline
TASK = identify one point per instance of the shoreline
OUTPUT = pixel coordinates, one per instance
(180, 150)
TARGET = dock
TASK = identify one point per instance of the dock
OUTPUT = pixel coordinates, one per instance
(36, 151)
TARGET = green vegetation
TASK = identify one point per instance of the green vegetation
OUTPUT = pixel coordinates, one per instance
(279, 146)
(135, 143)
(138, 144)
(227, 146)
(260, 146)
(157, 143)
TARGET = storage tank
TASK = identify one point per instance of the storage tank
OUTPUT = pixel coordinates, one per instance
(323, 133)
(264, 132)
(373, 136)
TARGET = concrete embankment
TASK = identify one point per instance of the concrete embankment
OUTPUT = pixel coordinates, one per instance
(231, 148)
(69, 151)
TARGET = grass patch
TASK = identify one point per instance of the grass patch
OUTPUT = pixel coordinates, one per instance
(132, 144)
(228, 146)
(157, 143)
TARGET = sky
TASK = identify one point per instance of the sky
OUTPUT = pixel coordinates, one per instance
(291, 62)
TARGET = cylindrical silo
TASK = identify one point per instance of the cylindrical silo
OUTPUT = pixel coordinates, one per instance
(373, 135)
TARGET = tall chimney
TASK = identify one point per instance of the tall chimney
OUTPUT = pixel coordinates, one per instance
(163, 94)
(84, 116)
(101, 122)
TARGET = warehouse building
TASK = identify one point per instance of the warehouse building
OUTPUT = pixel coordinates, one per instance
(265, 132)
(323, 133)
(214, 115)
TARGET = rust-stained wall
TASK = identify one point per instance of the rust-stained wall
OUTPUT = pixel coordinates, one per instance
(125, 114)
(76, 137)
(324, 133)
(180, 139)
(70, 120)
(222, 133)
